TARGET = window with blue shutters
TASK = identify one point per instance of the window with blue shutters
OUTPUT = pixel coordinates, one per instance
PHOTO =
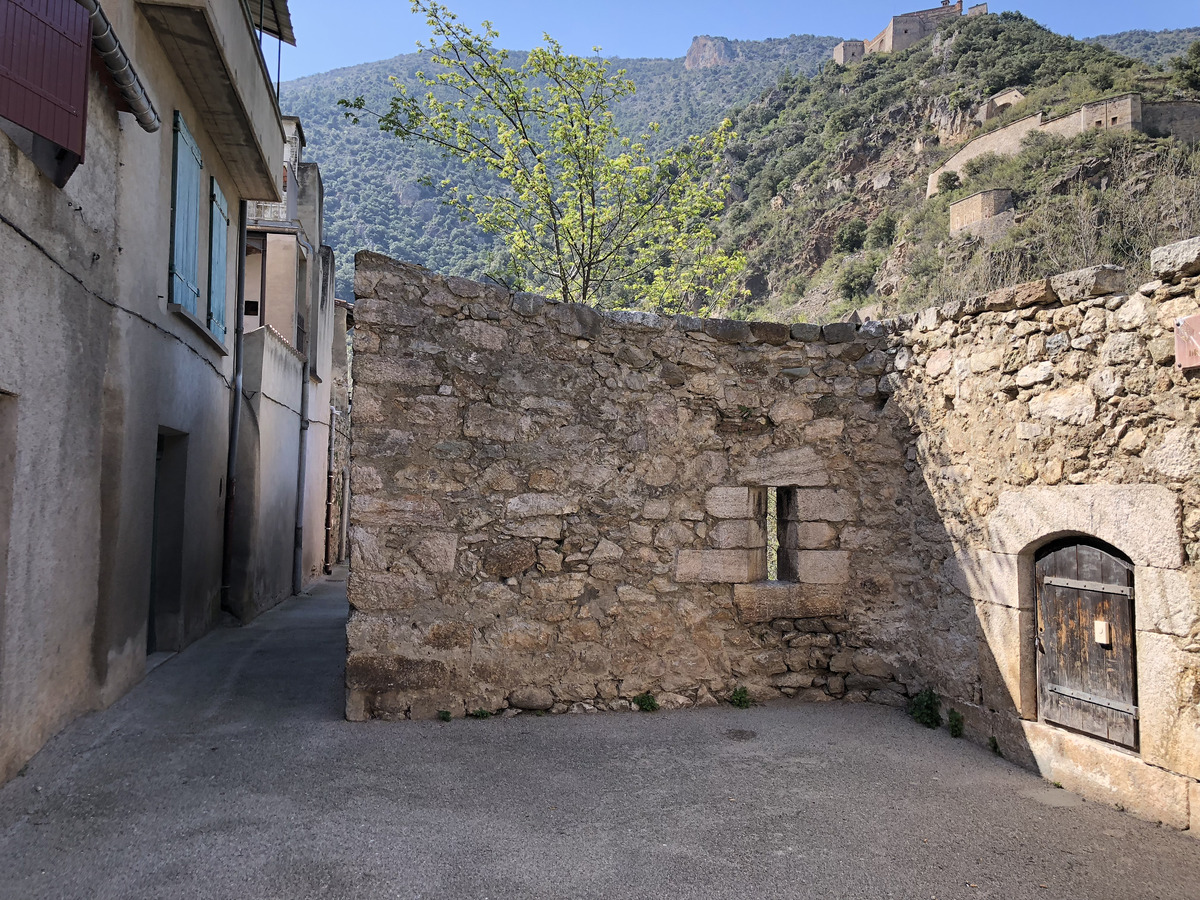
(218, 254)
(185, 219)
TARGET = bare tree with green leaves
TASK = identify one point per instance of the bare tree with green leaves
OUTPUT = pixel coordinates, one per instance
(585, 213)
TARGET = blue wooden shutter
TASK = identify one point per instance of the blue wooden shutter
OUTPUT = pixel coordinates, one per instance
(185, 219)
(217, 255)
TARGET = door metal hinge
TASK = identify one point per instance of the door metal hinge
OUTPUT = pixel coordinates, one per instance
(1093, 698)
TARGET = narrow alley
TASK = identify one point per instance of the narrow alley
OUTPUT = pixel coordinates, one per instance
(230, 772)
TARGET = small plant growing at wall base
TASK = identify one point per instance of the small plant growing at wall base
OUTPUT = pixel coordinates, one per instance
(994, 746)
(480, 714)
(741, 698)
(957, 725)
(444, 715)
(926, 708)
(645, 702)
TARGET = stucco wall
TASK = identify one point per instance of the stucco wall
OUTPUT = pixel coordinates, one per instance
(98, 366)
(1181, 119)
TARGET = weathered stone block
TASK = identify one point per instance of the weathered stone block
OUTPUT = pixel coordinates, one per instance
(1074, 405)
(1168, 601)
(509, 558)
(1105, 774)
(1007, 664)
(767, 600)
(730, 534)
(823, 505)
(531, 505)
(489, 422)
(1177, 260)
(822, 566)
(1168, 681)
(1141, 520)
(1094, 281)
(800, 466)
(807, 535)
(393, 673)
(531, 698)
(770, 332)
(723, 566)
(728, 331)
(734, 503)
(803, 331)
(839, 332)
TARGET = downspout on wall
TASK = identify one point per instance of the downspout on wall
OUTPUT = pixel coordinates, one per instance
(106, 45)
(235, 414)
(298, 548)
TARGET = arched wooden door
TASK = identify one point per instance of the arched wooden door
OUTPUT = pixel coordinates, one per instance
(1087, 680)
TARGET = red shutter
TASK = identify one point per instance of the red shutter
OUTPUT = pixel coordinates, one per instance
(45, 46)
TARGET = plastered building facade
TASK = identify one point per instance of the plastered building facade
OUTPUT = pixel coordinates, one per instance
(119, 249)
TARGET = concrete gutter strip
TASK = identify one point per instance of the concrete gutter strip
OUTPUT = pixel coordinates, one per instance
(105, 42)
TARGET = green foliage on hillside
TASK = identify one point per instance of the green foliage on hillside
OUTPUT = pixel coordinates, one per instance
(1152, 47)
(817, 155)
(377, 193)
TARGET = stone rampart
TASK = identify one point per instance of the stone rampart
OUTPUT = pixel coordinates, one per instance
(1127, 112)
(556, 508)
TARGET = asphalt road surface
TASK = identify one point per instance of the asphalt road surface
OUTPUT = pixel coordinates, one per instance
(230, 773)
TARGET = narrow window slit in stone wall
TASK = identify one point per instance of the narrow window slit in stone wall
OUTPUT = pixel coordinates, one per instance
(782, 542)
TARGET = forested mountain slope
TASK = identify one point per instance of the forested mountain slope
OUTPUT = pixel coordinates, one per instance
(1153, 47)
(829, 173)
(374, 195)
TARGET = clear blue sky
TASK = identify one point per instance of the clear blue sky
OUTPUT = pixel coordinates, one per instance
(332, 35)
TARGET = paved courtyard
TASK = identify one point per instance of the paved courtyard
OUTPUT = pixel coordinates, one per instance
(229, 772)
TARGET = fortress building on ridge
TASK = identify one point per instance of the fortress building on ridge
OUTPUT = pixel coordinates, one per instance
(903, 31)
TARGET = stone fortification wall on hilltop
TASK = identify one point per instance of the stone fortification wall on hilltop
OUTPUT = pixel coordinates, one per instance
(1128, 112)
(561, 509)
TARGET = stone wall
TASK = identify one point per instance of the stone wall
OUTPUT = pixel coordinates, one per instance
(556, 508)
(1127, 112)
(563, 505)
(1053, 409)
(978, 208)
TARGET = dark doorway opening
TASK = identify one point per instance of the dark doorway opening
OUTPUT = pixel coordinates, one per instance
(1087, 674)
(164, 625)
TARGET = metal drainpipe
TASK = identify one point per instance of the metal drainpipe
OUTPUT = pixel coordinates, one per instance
(235, 414)
(333, 414)
(105, 43)
(298, 549)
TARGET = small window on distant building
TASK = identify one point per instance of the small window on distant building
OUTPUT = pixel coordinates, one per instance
(45, 50)
(1114, 120)
(1099, 123)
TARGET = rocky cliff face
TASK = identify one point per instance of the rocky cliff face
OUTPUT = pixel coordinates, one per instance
(707, 52)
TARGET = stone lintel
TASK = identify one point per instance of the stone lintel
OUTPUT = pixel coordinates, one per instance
(1140, 520)
(721, 566)
(736, 502)
(767, 600)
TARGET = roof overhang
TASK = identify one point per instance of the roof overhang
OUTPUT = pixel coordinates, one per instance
(272, 17)
(207, 44)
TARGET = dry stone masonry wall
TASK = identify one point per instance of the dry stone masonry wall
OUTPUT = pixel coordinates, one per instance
(558, 508)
